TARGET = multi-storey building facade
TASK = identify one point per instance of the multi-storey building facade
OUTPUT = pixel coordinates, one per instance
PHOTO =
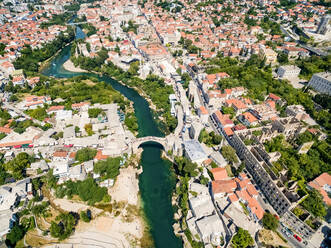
(256, 165)
(288, 71)
(321, 82)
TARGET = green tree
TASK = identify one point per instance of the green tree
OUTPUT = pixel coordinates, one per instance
(85, 154)
(94, 112)
(86, 215)
(314, 204)
(15, 235)
(89, 191)
(270, 222)
(108, 168)
(38, 113)
(242, 239)
(64, 227)
(186, 167)
(282, 58)
(18, 165)
(229, 154)
(134, 68)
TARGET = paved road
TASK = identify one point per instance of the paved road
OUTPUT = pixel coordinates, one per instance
(16, 110)
(311, 49)
(290, 239)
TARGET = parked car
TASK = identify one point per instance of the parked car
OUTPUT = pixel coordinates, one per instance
(297, 237)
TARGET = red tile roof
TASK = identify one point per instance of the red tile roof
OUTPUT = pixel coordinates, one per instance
(55, 108)
(223, 186)
(219, 173)
(5, 130)
(274, 97)
(319, 183)
(203, 110)
(100, 156)
(249, 117)
(60, 154)
(16, 143)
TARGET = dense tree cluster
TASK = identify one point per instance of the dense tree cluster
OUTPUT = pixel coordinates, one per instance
(57, 19)
(270, 222)
(188, 45)
(86, 216)
(173, 6)
(210, 139)
(64, 225)
(94, 112)
(271, 26)
(131, 122)
(108, 168)
(2, 49)
(38, 113)
(76, 90)
(72, 7)
(87, 190)
(130, 27)
(242, 239)
(88, 28)
(314, 204)
(18, 165)
(186, 167)
(85, 154)
(29, 60)
(229, 154)
(257, 78)
(16, 234)
(301, 166)
(91, 64)
(153, 86)
(323, 100)
(314, 64)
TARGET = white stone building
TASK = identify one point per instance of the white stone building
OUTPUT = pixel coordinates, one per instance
(288, 71)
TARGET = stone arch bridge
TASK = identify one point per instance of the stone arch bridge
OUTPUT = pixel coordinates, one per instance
(167, 142)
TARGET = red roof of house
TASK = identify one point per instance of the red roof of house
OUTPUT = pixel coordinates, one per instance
(16, 143)
(255, 208)
(60, 154)
(228, 131)
(219, 173)
(5, 130)
(249, 117)
(203, 110)
(223, 186)
(55, 108)
(274, 97)
(251, 190)
(72, 155)
(319, 183)
(233, 198)
(100, 156)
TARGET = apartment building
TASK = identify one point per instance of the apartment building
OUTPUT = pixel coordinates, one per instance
(321, 82)
(256, 165)
(259, 162)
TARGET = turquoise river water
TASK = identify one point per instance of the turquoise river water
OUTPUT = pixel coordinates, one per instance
(155, 183)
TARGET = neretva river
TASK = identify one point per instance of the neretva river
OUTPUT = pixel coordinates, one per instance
(156, 183)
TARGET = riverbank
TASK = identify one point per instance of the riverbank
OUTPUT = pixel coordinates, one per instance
(69, 66)
(120, 223)
(46, 63)
(123, 225)
(155, 183)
